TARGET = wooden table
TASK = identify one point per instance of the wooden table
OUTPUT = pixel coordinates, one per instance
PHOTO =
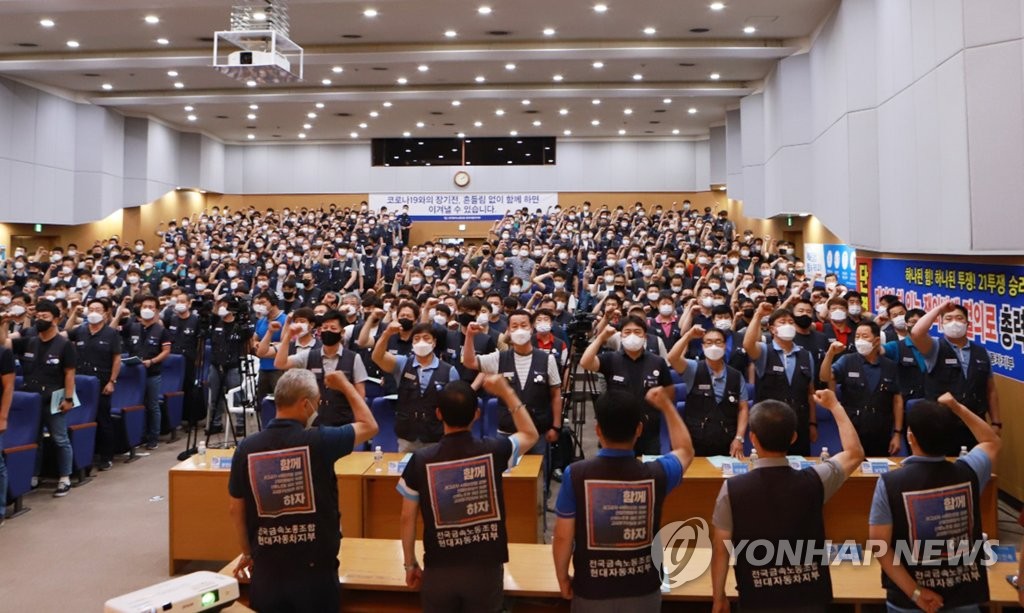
(199, 523)
(846, 513)
(373, 568)
(382, 504)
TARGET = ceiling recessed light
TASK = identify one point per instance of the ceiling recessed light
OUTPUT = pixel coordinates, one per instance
(484, 10)
(549, 31)
(478, 124)
(363, 125)
(319, 105)
(526, 102)
(402, 80)
(450, 33)
(536, 123)
(107, 86)
(47, 23)
(251, 136)
(557, 78)
(513, 133)
(638, 77)
(172, 73)
(600, 8)
(650, 31)
(387, 104)
(192, 118)
(251, 116)
(676, 131)
(749, 30)
(407, 134)
(189, 108)
(717, 6)
(73, 44)
(563, 111)
(311, 115)
(251, 83)
(374, 114)
(254, 107)
(354, 134)
(595, 101)
(302, 135)
(595, 122)
(598, 64)
(714, 76)
(152, 19)
(456, 103)
(259, 16)
(162, 41)
(460, 135)
(420, 124)
(307, 126)
(692, 111)
(499, 112)
(423, 68)
(622, 132)
(480, 78)
(627, 111)
(179, 85)
(370, 13)
(337, 70)
(510, 66)
(325, 81)
(567, 132)
(667, 101)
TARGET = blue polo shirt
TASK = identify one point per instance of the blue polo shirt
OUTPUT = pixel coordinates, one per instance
(565, 506)
(423, 372)
(262, 325)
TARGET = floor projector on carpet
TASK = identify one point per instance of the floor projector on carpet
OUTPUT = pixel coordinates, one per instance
(200, 591)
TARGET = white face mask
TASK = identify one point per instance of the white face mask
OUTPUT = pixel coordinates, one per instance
(483, 319)
(200, 287)
(559, 284)
(180, 307)
(855, 309)
(837, 315)
(440, 320)
(666, 309)
(714, 352)
(222, 312)
(422, 348)
(786, 332)
(954, 329)
(723, 324)
(485, 285)
(543, 327)
(94, 318)
(560, 306)
(17, 310)
(863, 347)
(632, 342)
(514, 289)
(707, 302)
(652, 296)
(102, 293)
(259, 309)
(147, 313)
(899, 322)
(520, 336)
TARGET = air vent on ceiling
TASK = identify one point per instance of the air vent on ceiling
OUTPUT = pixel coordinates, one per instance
(352, 36)
(205, 39)
(687, 64)
(654, 122)
(275, 136)
(436, 113)
(343, 114)
(449, 124)
(531, 112)
(90, 74)
(27, 45)
(498, 32)
(700, 30)
(222, 116)
(648, 131)
(659, 110)
(380, 68)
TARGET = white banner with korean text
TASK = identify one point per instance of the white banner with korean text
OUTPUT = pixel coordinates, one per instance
(462, 206)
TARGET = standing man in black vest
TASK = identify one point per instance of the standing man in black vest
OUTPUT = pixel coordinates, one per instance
(634, 370)
(284, 498)
(933, 506)
(183, 327)
(229, 345)
(456, 486)
(716, 400)
(870, 390)
(782, 506)
(335, 409)
(152, 345)
(98, 347)
(784, 371)
(609, 539)
(420, 380)
(957, 366)
(48, 360)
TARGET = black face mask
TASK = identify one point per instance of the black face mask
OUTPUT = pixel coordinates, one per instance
(330, 338)
(466, 318)
(802, 321)
(772, 300)
(288, 295)
(748, 313)
(406, 324)
(43, 325)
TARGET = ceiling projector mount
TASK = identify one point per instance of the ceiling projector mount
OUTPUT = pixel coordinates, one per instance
(257, 49)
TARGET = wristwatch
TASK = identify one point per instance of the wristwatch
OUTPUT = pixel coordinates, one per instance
(739, 438)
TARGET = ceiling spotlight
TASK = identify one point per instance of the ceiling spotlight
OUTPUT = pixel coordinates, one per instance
(595, 122)
(302, 135)
(549, 32)
(107, 86)
(650, 31)
(307, 126)
(73, 44)
(692, 111)
(567, 132)
(402, 80)
(370, 13)
(510, 66)
(162, 41)
(676, 131)
(598, 64)
(484, 10)
(749, 30)
(423, 68)
(325, 81)
(374, 114)
(420, 124)
(407, 134)
(456, 103)
(513, 133)
(461, 135)
(189, 108)
(251, 83)
(536, 123)
(172, 73)
(319, 105)
(387, 104)
(192, 118)
(363, 125)
(259, 16)
(499, 112)
(47, 23)
(152, 20)
(526, 102)
(563, 111)
(254, 107)
(311, 115)
(480, 79)
(622, 132)
(638, 77)
(667, 101)
(627, 111)
(557, 78)
(717, 6)
(354, 134)
(714, 76)
(337, 70)
(179, 85)
(595, 101)
(478, 124)
(251, 136)
(251, 116)
(600, 8)
(450, 33)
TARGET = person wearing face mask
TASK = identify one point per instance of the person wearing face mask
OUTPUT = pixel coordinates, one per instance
(665, 323)
(908, 359)
(148, 339)
(956, 366)
(183, 327)
(295, 575)
(98, 348)
(784, 372)
(855, 309)
(716, 401)
(454, 339)
(634, 370)
(419, 379)
(229, 342)
(266, 310)
(545, 340)
(533, 374)
(48, 361)
(807, 336)
(838, 328)
(869, 384)
(334, 409)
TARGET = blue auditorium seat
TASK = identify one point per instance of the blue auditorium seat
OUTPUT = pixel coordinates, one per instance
(681, 392)
(666, 444)
(82, 426)
(268, 409)
(20, 447)
(172, 382)
(677, 378)
(128, 405)
(383, 410)
(828, 433)
(478, 425)
(489, 418)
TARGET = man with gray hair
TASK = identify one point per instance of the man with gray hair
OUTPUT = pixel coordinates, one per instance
(284, 497)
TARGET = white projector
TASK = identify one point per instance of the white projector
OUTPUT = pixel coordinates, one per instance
(238, 59)
(199, 591)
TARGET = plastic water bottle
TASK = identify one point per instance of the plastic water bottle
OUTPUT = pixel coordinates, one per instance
(753, 457)
(378, 459)
(201, 452)
(824, 455)
(963, 450)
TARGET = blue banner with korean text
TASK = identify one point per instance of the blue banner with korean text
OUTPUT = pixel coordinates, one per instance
(462, 206)
(992, 294)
